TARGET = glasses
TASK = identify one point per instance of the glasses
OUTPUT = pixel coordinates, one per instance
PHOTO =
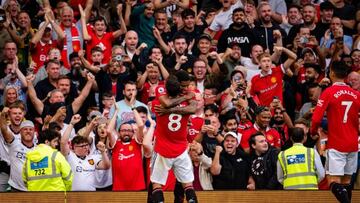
(82, 146)
(127, 130)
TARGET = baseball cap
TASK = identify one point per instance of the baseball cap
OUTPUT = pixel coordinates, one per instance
(48, 26)
(94, 114)
(233, 135)
(26, 123)
(205, 36)
(307, 50)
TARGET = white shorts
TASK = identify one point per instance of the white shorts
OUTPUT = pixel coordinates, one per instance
(182, 166)
(340, 163)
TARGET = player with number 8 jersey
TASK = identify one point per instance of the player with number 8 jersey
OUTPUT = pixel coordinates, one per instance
(171, 131)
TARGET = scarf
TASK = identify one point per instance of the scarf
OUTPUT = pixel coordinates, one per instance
(75, 44)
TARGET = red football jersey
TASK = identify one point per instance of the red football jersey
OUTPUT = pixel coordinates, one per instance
(105, 43)
(265, 87)
(170, 133)
(40, 52)
(342, 105)
(272, 137)
(145, 92)
(196, 123)
(127, 167)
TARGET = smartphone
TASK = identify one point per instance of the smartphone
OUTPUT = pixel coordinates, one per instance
(213, 48)
(207, 122)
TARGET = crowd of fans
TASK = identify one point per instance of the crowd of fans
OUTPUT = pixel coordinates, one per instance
(93, 72)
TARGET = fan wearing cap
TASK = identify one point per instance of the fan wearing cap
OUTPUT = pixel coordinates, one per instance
(17, 150)
(231, 166)
(262, 121)
(96, 35)
(41, 43)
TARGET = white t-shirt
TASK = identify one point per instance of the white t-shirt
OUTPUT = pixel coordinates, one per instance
(17, 154)
(247, 62)
(223, 20)
(84, 171)
(72, 134)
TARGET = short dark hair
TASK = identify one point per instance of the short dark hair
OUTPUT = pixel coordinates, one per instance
(297, 134)
(142, 109)
(228, 116)
(340, 69)
(182, 76)
(236, 10)
(187, 12)
(106, 94)
(179, 36)
(48, 135)
(96, 49)
(252, 139)
(211, 107)
(315, 66)
(172, 86)
(54, 61)
(78, 139)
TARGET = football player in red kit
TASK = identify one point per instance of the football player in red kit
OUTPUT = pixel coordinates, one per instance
(341, 104)
(171, 140)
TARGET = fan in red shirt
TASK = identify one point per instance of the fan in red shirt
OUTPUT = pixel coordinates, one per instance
(269, 82)
(127, 165)
(171, 138)
(342, 105)
(97, 36)
(41, 43)
(262, 121)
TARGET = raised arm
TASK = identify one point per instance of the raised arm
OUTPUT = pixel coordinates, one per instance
(64, 141)
(189, 109)
(39, 106)
(86, 63)
(77, 103)
(83, 20)
(123, 28)
(111, 131)
(8, 136)
(164, 73)
(104, 164)
(37, 36)
(215, 168)
(148, 138)
(139, 136)
(87, 10)
(291, 58)
(168, 102)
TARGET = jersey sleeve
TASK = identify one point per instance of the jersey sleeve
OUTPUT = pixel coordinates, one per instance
(160, 91)
(319, 111)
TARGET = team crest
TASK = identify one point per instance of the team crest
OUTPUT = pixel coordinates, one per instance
(161, 90)
(131, 148)
(273, 79)
(269, 137)
(189, 70)
(91, 161)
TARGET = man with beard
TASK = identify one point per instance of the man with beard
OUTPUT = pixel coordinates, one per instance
(312, 75)
(18, 147)
(238, 32)
(281, 122)
(96, 35)
(190, 30)
(307, 108)
(16, 115)
(231, 166)
(263, 163)
(162, 29)
(267, 32)
(56, 96)
(114, 77)
(127, 167)
(262, 121)
(126, 105)
(309, 16)
(180, 59)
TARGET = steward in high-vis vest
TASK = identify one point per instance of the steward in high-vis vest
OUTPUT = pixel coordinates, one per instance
(45, 168)
(299, 167)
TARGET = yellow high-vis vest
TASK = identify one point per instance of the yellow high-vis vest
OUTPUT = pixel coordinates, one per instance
(46, 169)
(298, 165)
